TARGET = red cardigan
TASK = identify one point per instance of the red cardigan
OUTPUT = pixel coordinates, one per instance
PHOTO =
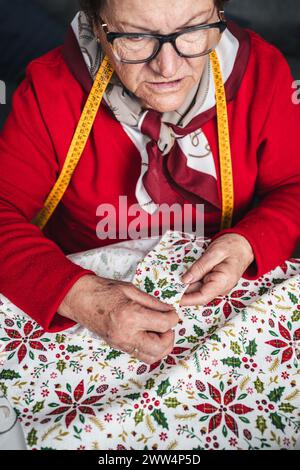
(264, 126)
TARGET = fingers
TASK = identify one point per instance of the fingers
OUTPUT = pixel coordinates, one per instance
(150, 320)
(194, 287)
(215, 284)
(153, 347)
(211, 258)
(148, 300)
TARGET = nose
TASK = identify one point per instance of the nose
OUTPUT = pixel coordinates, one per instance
(167, 62)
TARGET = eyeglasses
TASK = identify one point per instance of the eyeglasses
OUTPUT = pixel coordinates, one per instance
(191, 42)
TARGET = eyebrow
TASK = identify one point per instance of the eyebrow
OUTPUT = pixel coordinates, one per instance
(141, 28)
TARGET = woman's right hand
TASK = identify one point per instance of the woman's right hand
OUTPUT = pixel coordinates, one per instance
(124, 316)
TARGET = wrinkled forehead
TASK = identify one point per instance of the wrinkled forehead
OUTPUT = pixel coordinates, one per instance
(160, 15)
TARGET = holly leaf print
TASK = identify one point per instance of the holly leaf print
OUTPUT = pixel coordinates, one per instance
(235, 347)
(168, 294)
(277, 421)
(113, 355)
(133, 396)
(261, 424)
(32, 438)
(198, 331)
(7, 374)
(293, 298)
(259, 386)
(276, 394)
(139, 417)
(172, 402)
(160, 418)
(61, 366)
(287, 408)
(149, 285)
(251, 349)
(262, 291)
(74, 349)
(162, 283)
(232, 362)
(189, 259)
(163, 388)
(149, 384)
(296, 315)
(60, 338)
(38, 406)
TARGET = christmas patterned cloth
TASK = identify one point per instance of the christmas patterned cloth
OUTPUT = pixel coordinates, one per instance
(232, 380)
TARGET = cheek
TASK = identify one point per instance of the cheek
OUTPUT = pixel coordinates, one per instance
(130, 75)
(197, 66)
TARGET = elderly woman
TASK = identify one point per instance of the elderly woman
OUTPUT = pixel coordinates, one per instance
(157, 130)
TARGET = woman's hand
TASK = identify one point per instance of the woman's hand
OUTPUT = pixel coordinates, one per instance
(218, 270)
(125, 317)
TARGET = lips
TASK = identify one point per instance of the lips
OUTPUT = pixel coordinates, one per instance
(166, 85)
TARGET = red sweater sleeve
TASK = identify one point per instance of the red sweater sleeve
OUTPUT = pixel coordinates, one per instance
(272, 227)
(35, 274)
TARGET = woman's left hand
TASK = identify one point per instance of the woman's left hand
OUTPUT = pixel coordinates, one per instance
(218, 270)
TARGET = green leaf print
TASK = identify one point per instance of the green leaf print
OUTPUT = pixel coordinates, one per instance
(162, 283)
(172, 402)
(61, 366)
(113, 355)
(168, 294)
(277, 421)
(163, 388)
(149, 285)
(259, 386)
(133, 396)
(8, 374)
(232, 362)
(38, 406)
(139, 417)
(235, 347)
(149, 384)
(198, 331)
(251, 349)
(276, 394)
(174, 267)
(32, 438)
(287, 408)
(74, 349)
(261, 424)
(160, 418)
(293, 298)
(296, 315)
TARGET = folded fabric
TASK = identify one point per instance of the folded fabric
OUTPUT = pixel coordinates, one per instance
(232, 380)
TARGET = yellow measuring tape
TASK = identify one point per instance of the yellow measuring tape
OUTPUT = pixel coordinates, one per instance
(86, 123)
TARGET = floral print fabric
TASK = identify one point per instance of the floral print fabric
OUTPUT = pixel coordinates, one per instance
(232, 380)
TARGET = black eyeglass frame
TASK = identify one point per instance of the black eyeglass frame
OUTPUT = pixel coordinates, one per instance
(165, 38)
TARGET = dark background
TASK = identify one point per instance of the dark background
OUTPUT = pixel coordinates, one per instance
(30, 28)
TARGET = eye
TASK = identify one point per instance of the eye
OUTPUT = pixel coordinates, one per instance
(136, 38)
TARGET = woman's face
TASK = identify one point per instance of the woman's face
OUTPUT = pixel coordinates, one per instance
(165, 17)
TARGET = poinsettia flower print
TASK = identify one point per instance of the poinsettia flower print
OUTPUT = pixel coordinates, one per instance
(24, 340)
(287, 346)
(223, 408)
(231, 300)
(74, 404)
(170, 359)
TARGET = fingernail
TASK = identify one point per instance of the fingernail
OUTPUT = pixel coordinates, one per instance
(188, 278)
